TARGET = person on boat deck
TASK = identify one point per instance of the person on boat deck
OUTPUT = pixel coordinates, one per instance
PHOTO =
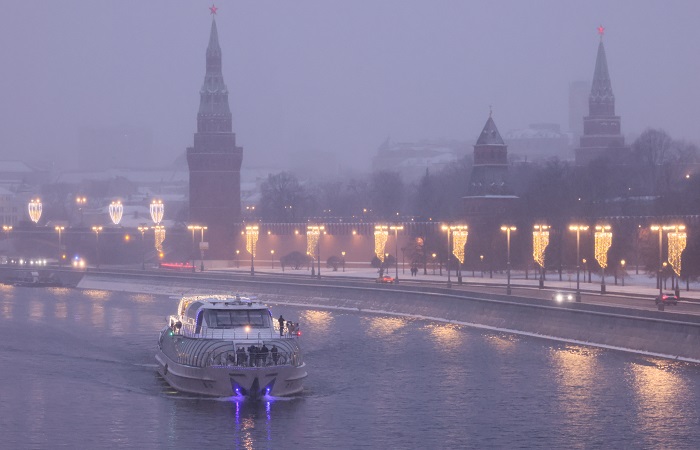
(290, 327)
(252, 355)
(264, 351)
(274, 354)
(231, 358)
(281, 322)
(241, 356)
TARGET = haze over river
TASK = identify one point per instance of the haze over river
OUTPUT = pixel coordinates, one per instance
(78, 371)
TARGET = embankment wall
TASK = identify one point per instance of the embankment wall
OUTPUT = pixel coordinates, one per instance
(659, 333)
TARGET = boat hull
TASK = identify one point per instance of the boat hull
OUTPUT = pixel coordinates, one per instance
(228, 381)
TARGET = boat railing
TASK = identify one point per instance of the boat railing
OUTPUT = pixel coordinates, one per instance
(234, 358)
(191, 331)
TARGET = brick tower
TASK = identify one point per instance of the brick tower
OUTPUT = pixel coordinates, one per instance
(214, 160)
(602, 138)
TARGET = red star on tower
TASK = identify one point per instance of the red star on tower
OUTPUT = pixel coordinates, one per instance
(213, 9)
(601, 31)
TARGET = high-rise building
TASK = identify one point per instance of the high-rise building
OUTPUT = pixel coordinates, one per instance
(215, 161)
(602, 137)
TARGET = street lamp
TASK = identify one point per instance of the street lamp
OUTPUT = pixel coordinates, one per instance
(97, 243)
(81, 201)
(622, 265)
(603, 241)
(7, 229)
(313, 236)
(396, 229)
(142, 228)
(508, 229)
(251, 240)
(434, 263)
(238, 261)
(59, 229)
(578, 229)
(343, 253)
(540, 241)
(272, 257)
(585, 269)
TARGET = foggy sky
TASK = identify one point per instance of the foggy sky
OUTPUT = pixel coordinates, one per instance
(335, 76)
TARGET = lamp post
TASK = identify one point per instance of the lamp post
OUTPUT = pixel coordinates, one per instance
(540, 241)
(60, 230)
(396, 229)
(81, 201)
(578, 229)
(660, 229)
(142, 229)
(448, 229)
(343, 254)
(272, 257)
(97, 243)
(238, 261)
(315, 232)
(192, 228)
(251, 234)
(508, 229)
(7, 229)
(585, 269)
(603, 241)
(434, 263)
(622, 265)
(202, 246)
(481, 265)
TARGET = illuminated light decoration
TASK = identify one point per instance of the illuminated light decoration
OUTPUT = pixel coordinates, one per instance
(312, 234)
(677, 240)
(35, 208)
(459, 240)
(251, 238)
(159, 232)
(116, 210)
(603, 241)
(601, 30)
(157, 209)
(381, 234)
(540, 241)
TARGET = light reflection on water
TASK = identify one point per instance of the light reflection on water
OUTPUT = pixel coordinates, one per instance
(376, 381)
(379, 327)
(36, 310)
(577, 379)
(321, 321)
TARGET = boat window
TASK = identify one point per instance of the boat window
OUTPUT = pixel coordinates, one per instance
(227, 318)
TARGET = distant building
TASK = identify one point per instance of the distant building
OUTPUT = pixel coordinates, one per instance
(11, 208)
(215, 161)
(602, 136)
(538, 141)
(410, 159)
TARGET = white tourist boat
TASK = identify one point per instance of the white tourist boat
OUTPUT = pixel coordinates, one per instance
(229, 346)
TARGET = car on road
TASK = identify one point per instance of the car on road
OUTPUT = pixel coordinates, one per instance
(561, 297)
(666, 299)
(385, 279)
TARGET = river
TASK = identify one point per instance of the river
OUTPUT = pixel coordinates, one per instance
(77, 370)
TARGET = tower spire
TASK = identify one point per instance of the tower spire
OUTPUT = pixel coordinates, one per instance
(214, 113)
(602, 100)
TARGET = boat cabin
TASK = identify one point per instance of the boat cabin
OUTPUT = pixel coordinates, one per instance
(213, 315)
